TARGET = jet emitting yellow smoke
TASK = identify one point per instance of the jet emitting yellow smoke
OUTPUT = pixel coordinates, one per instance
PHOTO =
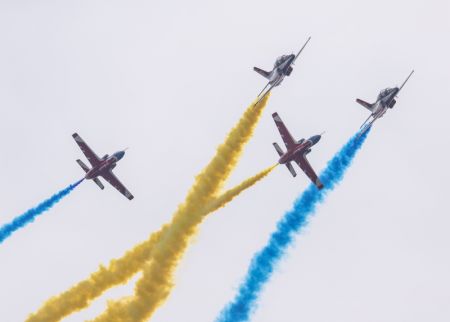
(157, 281)
(207, 185)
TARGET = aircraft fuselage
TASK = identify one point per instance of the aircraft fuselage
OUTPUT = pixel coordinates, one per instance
(302, 148)
(385, 100)
(106, 164)
(281, 69)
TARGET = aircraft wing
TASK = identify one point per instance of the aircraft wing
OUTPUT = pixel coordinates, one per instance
(284, 132)
(264, 95)
(87, 151)
(366, 126)
(308, 170)
(262, 92)
(112, 180)
(405, 81)
(309, 38)
(365, 122)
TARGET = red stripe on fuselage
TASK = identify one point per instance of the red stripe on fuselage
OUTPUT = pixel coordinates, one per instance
(292, 153)
(103, 166)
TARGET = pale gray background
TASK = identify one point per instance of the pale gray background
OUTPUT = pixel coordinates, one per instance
(169, 79)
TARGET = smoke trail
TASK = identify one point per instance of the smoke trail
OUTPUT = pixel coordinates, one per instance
(207, 185)
(230, 194)
(120, 271)
(156, 283)
(29, 216)
(264, 262)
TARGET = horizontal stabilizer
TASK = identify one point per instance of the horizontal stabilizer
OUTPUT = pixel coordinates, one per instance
(291, 169)
(262, 72)
(365, 104)
(83, 166)
(99, 183)
(277, 147)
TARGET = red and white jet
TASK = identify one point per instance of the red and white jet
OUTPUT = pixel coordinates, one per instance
(296, 151)
(101, 167)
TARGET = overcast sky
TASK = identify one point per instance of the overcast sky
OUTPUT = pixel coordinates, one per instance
(169, 79)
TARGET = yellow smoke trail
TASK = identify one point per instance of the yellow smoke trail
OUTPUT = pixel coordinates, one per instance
(230, 194)
(156, 283)
(119, 271)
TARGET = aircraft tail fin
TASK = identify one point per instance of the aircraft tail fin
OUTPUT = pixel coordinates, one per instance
(277, 147)
(83, 166)
(99, 183)
(291, 169)
(365, 104)
(262, 72)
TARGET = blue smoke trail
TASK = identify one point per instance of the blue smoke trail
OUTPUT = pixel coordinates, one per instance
(29, 216)
(264, 262)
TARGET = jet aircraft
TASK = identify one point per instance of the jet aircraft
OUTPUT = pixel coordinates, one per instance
(101, 167)
(281, 69)
(386, 99)
(296, 151)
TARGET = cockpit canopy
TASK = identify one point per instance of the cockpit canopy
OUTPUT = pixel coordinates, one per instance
(280, 60)
(119, 155)
(385, 92)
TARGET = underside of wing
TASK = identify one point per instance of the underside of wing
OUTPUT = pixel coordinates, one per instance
(284, 132)
(87, 151)
(112, 180)
(308, 170)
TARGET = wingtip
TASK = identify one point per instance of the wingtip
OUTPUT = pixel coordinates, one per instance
(318, 184)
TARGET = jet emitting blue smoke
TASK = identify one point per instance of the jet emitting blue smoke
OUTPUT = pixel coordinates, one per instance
(29, 216)
(264, 262)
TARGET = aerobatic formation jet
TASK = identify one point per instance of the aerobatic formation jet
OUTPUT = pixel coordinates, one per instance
(296, 151)
(101, 167)
(386, 99)
(281, 69)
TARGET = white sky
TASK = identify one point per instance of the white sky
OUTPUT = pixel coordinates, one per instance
(169, 79)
